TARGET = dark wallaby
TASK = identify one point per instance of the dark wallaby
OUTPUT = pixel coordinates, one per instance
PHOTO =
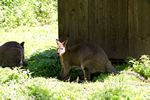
(89, 57)
(12, 54)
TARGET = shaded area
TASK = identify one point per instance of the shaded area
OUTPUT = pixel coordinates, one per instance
(47, 64)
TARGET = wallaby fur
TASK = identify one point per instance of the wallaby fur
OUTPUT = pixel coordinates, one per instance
(89, 57)
(12, 54)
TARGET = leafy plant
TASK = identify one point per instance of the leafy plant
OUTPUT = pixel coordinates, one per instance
(45, 64)
(142, 65)
(16, 75)
(116, 92)
(16, 13)
(39, 93)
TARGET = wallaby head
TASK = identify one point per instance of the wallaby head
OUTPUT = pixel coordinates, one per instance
(61, 47)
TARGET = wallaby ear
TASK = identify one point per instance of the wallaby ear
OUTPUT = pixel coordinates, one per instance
(65, 43)
(22, 44)
(57, 41)
(62, 43)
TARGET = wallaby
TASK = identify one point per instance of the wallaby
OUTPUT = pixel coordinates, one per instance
(89, 57)
(12, 54)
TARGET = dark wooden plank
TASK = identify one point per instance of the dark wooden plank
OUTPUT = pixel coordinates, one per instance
(97, 22)
(74, 25)
(82, 16)
(139, 31)
(108, 26)
(68, 21)
(91, 20)
(64, 19)
(116, 28)
(71, 21)
(61, 19)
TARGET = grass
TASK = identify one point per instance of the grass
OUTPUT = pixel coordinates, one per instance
(118, 87)
(37, 39)
(39, 80)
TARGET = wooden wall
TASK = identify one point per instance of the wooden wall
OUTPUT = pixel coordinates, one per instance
(139, 27)
(121, 27)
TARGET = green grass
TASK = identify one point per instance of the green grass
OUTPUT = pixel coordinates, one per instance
(39, 80)
(16, 13)
(119, 87)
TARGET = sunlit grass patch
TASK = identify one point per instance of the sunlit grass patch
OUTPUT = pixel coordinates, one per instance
(36, 39)
(114, 87)
(13, 75)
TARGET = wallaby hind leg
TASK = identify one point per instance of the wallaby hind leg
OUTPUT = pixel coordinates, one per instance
(86, 72)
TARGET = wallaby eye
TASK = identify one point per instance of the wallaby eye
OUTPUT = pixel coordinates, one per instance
(61, 48)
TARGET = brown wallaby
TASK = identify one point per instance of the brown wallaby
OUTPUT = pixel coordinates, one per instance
(12, 54)
(89, 57)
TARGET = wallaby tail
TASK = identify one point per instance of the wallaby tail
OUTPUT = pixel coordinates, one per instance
(136, 75)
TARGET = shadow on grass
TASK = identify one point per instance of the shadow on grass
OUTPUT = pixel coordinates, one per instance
(102, 76)
(47, 64)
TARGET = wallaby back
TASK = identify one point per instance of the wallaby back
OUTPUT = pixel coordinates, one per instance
(91, 58)
(12, 54)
